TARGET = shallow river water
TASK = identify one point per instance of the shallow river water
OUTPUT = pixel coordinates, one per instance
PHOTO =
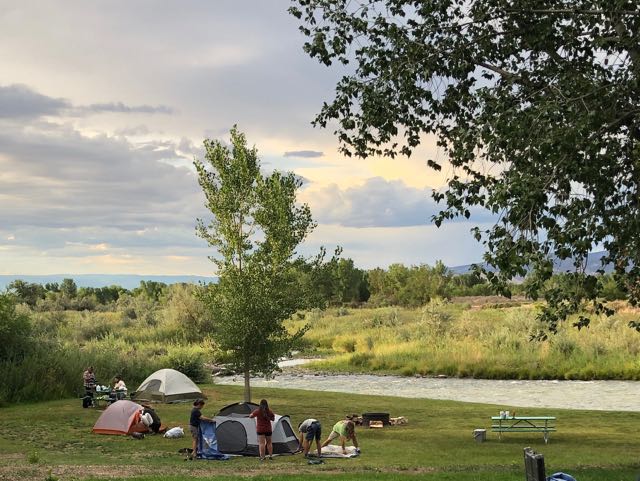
(597, 395)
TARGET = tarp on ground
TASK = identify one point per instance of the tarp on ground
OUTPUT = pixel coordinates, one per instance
(334, 451)
(208, 442)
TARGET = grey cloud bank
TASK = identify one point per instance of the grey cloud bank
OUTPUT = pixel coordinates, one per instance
(21, 102)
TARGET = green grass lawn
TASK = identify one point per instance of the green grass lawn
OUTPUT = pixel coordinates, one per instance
(55, 437)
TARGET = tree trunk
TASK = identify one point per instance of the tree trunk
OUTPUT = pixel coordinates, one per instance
(247, 385)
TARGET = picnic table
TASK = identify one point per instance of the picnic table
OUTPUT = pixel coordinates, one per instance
(523, 424)
(101, 398)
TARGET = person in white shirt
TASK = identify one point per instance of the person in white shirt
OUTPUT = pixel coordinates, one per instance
(119, 384)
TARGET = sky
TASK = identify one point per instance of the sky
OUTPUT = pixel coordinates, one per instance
(104, 106)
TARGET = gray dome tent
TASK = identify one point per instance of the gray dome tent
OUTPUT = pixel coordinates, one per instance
(236, 434)
(242, 408)
(167, 386)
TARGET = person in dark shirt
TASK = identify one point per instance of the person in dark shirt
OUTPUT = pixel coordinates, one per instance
(194, 425)
(264, 416)
(155, 425)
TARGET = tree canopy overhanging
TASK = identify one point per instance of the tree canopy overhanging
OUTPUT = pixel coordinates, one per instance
(534, 104)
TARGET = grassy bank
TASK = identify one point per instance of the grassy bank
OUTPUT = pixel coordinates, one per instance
(461, 339)
(472, 338)
(437, 443)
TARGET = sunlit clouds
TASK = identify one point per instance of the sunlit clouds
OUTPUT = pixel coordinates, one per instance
(104, 106)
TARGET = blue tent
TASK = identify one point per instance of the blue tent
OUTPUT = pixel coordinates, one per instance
(208, 443)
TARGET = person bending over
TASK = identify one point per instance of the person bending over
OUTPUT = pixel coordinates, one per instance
(345, 430)
(308, 430)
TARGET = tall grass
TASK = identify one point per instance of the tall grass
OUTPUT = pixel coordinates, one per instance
(452, 339)
(460, 340)
(114, 343)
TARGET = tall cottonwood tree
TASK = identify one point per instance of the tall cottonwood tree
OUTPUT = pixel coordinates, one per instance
(256, 227)
(534, 104)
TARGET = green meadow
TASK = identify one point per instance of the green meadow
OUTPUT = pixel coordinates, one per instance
(53, 440)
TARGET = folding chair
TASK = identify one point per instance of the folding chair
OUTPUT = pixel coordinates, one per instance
(533, 465)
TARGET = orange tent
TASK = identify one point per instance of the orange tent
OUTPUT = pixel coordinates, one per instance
(121, 417)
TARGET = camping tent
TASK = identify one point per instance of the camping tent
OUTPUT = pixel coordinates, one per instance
(242, 408)
(167, 385)
(237, 435)
(121, 417)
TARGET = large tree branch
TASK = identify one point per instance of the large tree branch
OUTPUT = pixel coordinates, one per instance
(503, 73)
(577, 11)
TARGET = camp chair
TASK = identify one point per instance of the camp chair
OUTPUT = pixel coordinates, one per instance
(533, 465)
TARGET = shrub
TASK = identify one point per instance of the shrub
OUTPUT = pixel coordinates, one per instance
(15, 330)
(189, 360)
(344, 344)
(360, 359)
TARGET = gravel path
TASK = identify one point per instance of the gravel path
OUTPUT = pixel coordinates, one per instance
(595, 395)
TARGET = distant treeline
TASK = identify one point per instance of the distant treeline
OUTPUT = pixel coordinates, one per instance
(336, 283)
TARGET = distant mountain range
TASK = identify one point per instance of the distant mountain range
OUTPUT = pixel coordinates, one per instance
(128, 281)
(593, 264)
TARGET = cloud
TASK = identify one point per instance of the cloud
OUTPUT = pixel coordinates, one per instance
(412, 245)
(376, 203)
(96, 141)
(61, 186)
(309, 154)
(133, 131)
(119, 107)
(20, 102)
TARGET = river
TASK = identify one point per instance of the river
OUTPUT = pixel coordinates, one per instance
(594, 395)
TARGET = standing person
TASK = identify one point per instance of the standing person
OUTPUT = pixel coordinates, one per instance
(89, 380)
(345, 430)
(264, 416)
(194, 425)
(308, 430)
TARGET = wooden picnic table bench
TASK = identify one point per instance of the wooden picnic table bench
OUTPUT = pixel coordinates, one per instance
(523, 424)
